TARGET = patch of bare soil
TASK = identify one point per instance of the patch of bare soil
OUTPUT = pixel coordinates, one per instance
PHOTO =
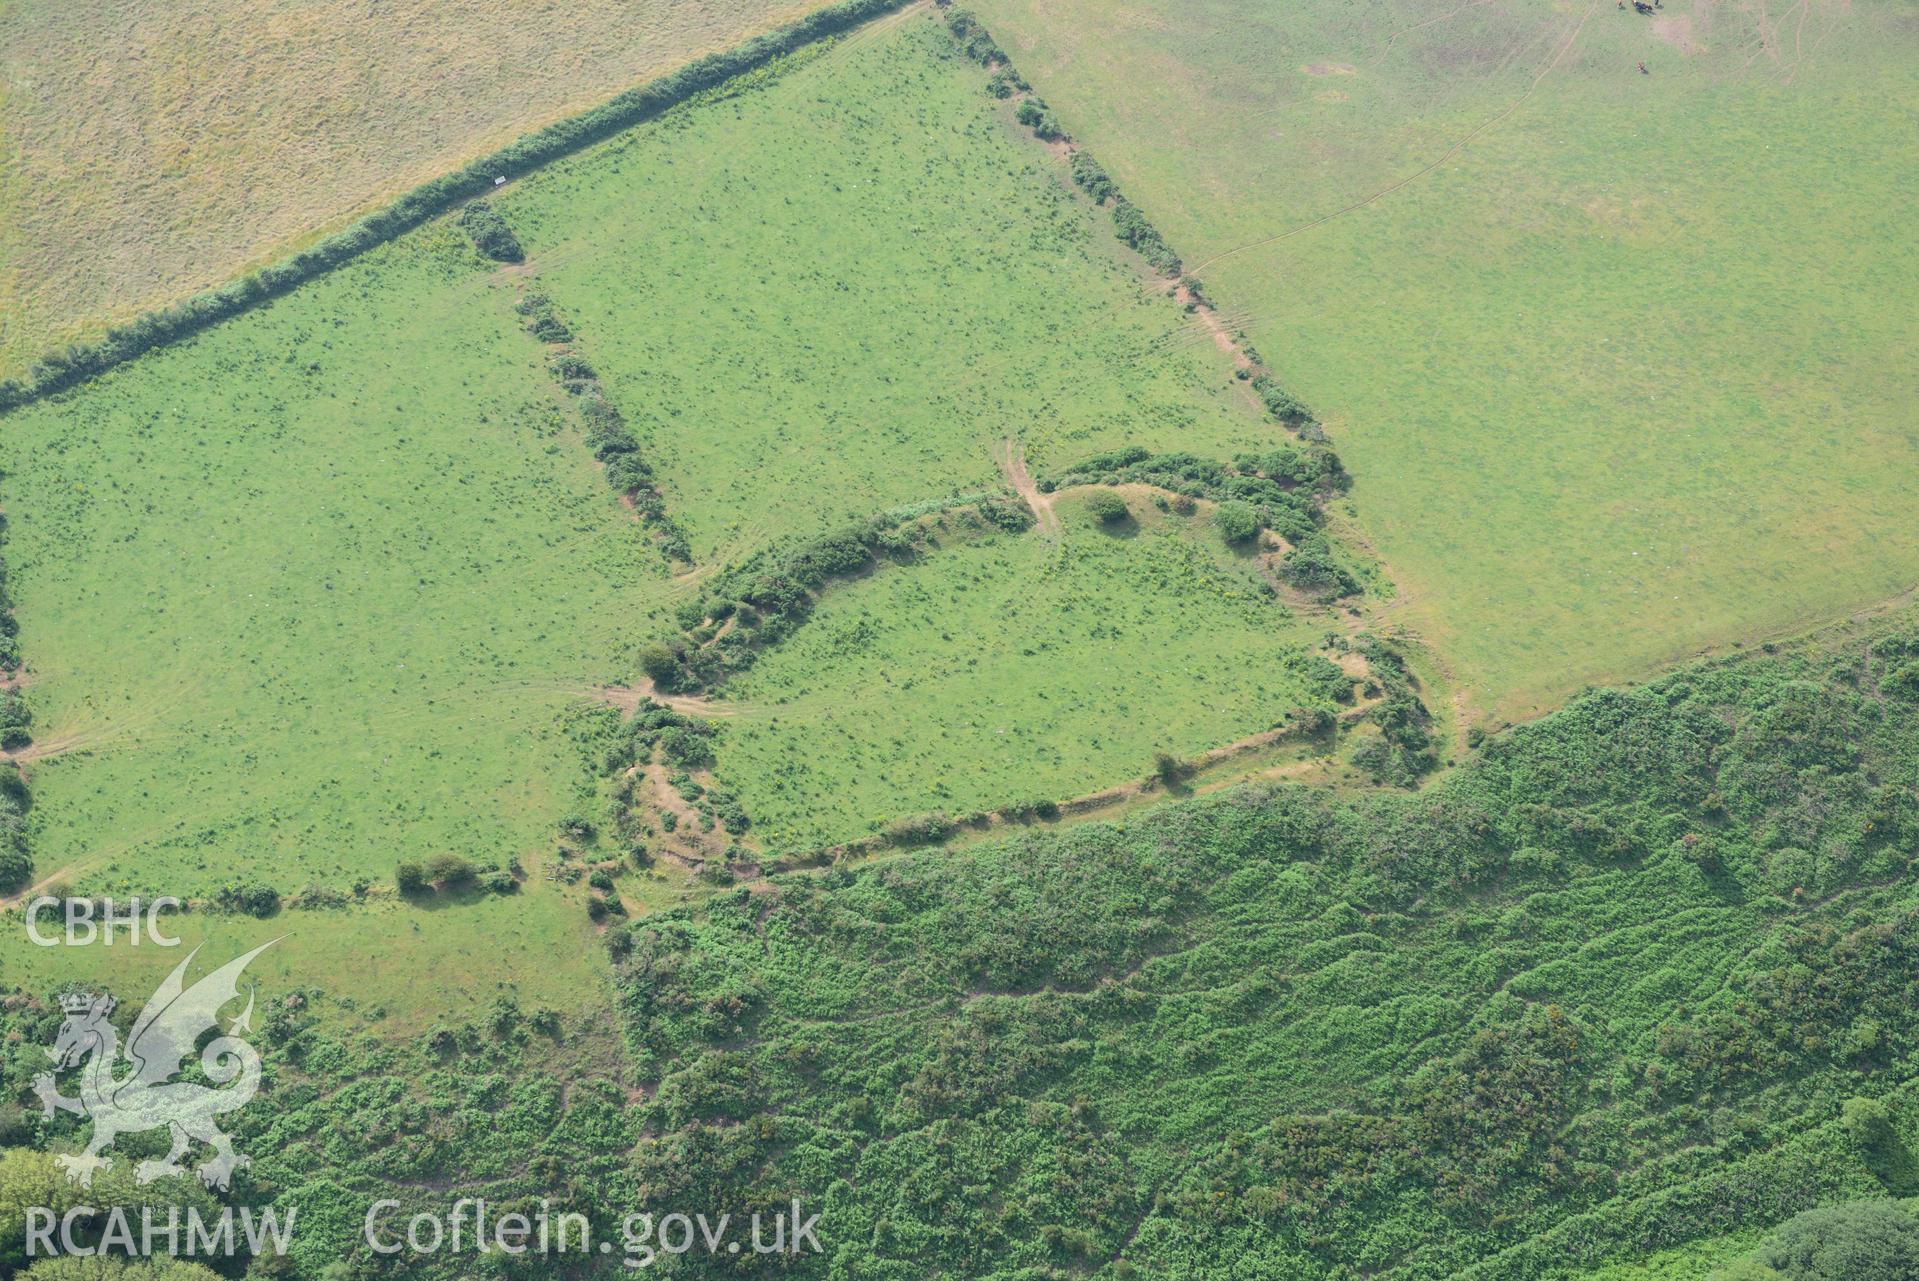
(1676, 30)
(1012, 461)
(629, 697)
(1330, 69)
(44, 747)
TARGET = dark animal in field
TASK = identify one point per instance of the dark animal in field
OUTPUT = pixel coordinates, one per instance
(1640, 6)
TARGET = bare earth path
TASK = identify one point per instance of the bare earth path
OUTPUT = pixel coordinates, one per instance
(629, 697)
(1012, 462)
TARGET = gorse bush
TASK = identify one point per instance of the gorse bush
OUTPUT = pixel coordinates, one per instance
(15, 717)
(972, 37)
(251, 898)
(1106, 507)
(1236, 521)
(489, 233)
(1857, 1241)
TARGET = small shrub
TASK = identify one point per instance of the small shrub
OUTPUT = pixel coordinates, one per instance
(16, 869)
(252, 898)
(409, 877)
(921, 829)
(499, 882)
(659, 662)
(1170, 770)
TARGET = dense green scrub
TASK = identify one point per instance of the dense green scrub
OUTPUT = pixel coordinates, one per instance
(514, 1104)
(1607, 396)
(1600, 991)
(835, 289)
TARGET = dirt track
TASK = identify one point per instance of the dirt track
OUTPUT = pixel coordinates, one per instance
(1012, 462)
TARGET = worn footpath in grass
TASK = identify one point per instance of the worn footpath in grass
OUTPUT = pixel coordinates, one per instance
(311, 593)
(836, 290)
(158, 148)
(1011, 669)
(1623, 368)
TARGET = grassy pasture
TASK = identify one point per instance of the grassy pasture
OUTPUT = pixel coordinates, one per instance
(157, 148)
(1006, 670)
(1622, 362)
(310, 593)
(836, 292)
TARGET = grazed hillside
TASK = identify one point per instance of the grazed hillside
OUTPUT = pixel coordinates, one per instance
(1611, 395)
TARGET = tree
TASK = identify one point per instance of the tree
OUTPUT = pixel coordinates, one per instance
(1170, 770)
(1237, 522)
(448, 870)
(1106, 507)
(409, 876)
(1855, 1241)
(659, 662)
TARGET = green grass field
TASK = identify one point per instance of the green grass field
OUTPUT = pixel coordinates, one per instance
(1008, 670)
(1621, 362)
(310, 593)
(838, 292)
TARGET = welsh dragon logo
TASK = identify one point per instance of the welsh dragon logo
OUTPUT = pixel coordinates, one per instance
(147, 1097)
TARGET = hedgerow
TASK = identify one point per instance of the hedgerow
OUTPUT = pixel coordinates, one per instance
(1136, 230)
(764, 599)
(607, 435)
(61, 369)
(16, 719)
(1283, 490)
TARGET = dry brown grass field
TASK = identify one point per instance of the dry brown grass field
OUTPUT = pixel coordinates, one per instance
(149, 148)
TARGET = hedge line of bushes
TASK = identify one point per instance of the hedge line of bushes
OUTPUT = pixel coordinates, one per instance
(16, 859)
(1283, 490)
(61, 369)
(452, 872)
(763, 600)
(606, 431)
(1404, 752)
(1129, 224)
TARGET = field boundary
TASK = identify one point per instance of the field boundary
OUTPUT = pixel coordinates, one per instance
(72, 365)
